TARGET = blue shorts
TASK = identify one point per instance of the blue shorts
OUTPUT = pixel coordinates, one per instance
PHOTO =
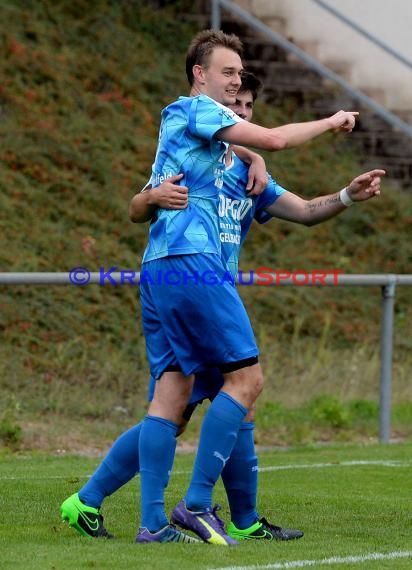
(206, 386)
(193, 317)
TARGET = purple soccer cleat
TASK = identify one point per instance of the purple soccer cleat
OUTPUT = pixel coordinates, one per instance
(206, 524)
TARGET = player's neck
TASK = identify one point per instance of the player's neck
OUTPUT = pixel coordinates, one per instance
(195, 91)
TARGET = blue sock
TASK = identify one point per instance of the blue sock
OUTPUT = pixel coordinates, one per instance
(157, 446)
(119, 466)
(217, 439)
(240, 478)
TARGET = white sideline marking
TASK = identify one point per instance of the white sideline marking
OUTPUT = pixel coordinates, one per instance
(324, 561)
(383, 463)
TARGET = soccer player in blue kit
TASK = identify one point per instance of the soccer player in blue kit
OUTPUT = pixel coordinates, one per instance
(194, 325)
(236, 212)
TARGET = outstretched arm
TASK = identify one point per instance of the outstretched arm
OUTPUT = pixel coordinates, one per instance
(291, 207)
(168, 195)
(286, 136)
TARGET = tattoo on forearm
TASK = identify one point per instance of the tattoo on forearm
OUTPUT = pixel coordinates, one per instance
(332, 199)
(311, 207)
(322, 203)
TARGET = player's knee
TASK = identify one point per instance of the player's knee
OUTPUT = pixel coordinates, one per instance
(256, 384)
(259, 383)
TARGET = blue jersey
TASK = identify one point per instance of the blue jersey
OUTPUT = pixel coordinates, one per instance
(236, 213)
(187, 145)
(237, 210)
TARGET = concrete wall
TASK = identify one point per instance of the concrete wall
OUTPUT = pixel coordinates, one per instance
(335, 44)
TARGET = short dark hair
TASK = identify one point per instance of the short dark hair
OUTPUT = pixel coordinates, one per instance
(250, 83)
(202, 46)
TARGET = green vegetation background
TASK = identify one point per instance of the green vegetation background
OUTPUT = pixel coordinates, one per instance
(82, 86)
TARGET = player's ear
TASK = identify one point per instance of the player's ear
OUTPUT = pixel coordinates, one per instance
(198, 74)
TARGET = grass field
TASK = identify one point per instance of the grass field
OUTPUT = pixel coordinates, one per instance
(352, 501)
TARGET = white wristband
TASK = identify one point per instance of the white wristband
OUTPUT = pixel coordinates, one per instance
(345, 198)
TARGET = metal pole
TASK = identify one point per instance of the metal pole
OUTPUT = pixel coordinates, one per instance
(216, 20)
(388, 302)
